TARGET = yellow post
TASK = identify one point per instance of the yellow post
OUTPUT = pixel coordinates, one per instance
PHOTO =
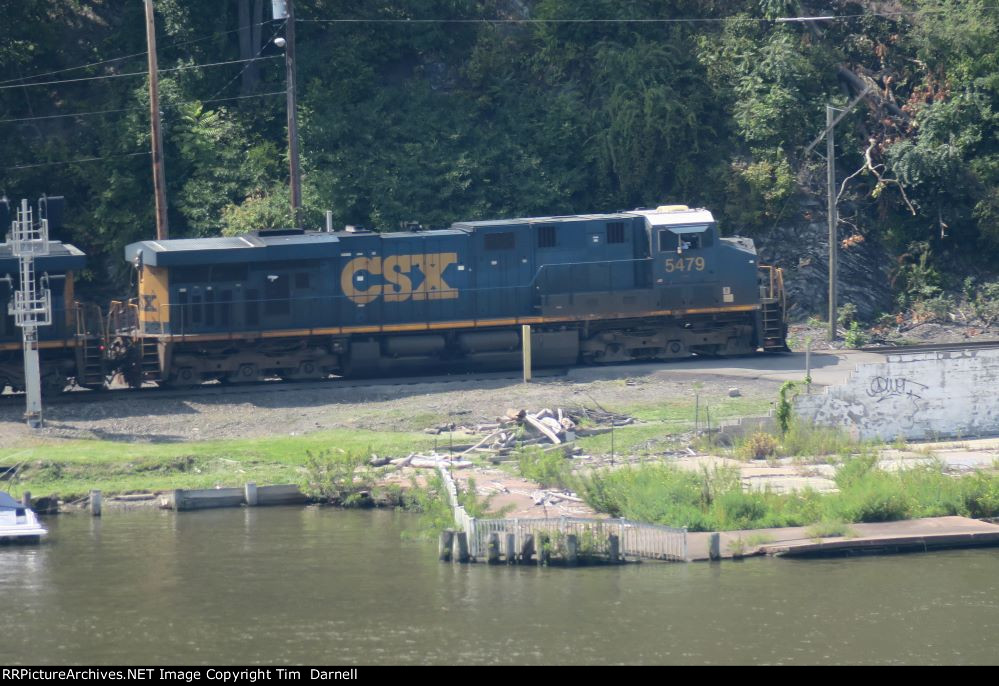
(525, 335)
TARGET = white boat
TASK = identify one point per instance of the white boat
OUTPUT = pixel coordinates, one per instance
(18, 524)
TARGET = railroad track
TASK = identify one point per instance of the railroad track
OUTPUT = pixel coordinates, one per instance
(929, 347)
(82, 396)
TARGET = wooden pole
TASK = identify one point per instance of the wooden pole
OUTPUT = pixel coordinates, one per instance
(250, 494)
(525, 335)
(833, 219)
(159, 170)
(289, 68)
(460, 551)
(445, 545)
(26, 499)
(95, 503)
(493, 548)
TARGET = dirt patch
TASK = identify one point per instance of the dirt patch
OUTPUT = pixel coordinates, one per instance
(291, 409)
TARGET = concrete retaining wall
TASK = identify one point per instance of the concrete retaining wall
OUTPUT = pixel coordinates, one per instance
(914, 396)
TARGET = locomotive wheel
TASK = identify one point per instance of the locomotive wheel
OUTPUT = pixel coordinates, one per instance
(247, 373)
(53, 383)
(305, 371)
(183, 376)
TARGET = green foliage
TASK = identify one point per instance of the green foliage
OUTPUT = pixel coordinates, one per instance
(716, 501)
(430, 502)
(442, 122)
(548, 469)
(847, 314)
(784, 411)
(855, 337)
(339, 477)
(830, 528)
(759, 446)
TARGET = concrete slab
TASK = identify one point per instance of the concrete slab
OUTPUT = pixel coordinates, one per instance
(872, 538)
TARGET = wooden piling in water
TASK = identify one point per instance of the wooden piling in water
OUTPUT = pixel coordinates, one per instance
(714, 547)
(493, 549)
(445, 545)
(460, 551)
(544, 550)
(95, 503)
(571, 549)
(511, 548)
(250, 494)
(614, 548)
(527, 549)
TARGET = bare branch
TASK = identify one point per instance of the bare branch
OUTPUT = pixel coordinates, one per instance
(869, 166)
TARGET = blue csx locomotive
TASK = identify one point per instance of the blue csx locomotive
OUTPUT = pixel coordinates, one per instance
(648, 284)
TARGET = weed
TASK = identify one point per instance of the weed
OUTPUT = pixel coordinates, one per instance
(760, 446)
(830, 528)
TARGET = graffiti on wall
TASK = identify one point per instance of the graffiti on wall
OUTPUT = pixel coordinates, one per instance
(884, 387)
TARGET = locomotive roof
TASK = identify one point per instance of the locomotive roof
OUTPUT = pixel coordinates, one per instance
(249, 248)
(61, 257)
(559, 219)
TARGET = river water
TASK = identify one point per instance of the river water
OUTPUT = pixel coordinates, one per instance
(323, 586)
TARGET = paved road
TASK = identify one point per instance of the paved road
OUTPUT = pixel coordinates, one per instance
(828, 368)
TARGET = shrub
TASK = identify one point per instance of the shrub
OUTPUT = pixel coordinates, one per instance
(546, 468)
(854, 337)
(760, 446)
(339, 477)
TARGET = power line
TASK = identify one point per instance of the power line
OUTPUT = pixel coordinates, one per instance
(263, 45)
(128, 57)
(130, 109)
(684, 20)
(84, 159)
(138, 73)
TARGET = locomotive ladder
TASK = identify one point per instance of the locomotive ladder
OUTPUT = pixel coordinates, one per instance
(773, 312)
(90, 348)
(150, 360)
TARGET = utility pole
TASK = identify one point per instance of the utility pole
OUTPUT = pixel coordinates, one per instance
(159, 171)
(832, 216)
(285, 9)
(831, 211)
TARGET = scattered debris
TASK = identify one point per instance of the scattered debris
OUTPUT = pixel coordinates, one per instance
(518, 428)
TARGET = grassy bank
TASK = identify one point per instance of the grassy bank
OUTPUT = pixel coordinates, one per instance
(714, 500)
(72, 468)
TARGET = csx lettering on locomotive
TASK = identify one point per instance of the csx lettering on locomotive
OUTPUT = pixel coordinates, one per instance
(420, 277)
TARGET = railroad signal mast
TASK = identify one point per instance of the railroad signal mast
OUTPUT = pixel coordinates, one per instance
(32, 305)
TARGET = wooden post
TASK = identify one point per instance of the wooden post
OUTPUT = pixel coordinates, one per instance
(714, 547)
(571, 549)
(808, 365)
(26, 498)
(833, 219)
(159, 170)
(525, 336)
(460, 552)
(294, 169)
(178, 500)
(511, 548)
(250, 491)
(493, 549)
(544, 549)
(614, 548)
(445, 545)
(95, 503)
(527, 548)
